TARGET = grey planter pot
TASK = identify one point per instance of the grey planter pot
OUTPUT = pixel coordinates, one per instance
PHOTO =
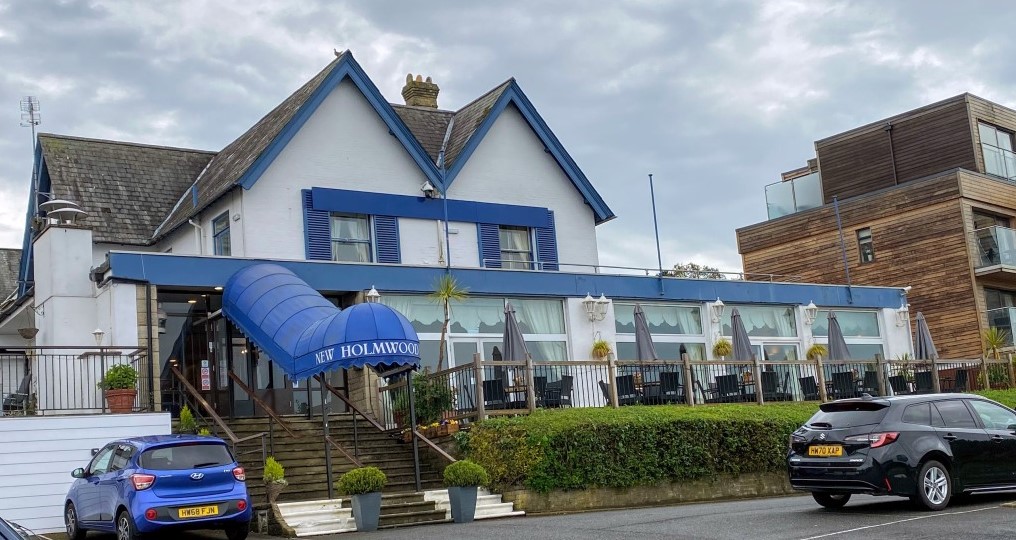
(367, 511)
(463, 503)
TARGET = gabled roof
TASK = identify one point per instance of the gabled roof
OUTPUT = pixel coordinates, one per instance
(126, 188)
(244, 160)
(480, 115)
(428, 126)
(10, 259)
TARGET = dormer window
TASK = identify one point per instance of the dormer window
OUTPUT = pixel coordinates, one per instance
(351, 240)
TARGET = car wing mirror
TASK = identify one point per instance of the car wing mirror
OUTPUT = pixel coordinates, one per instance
(1012, 427)
(95, 451)
(78, 473)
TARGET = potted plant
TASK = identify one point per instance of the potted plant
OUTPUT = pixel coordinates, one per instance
(187, 422)
(119, 384)
(815, 351)
(364, 485)
(601, 348)
(722, 348)
(462, 479)
(275, 479)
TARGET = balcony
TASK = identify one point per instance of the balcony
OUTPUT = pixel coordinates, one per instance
(1003, 318)
(792, 196)
(996, 250)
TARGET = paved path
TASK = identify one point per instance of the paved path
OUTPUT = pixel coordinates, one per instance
(796, 518)
(765, 519)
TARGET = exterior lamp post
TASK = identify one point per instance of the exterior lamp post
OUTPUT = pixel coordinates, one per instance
(717, 308)
(98, 334)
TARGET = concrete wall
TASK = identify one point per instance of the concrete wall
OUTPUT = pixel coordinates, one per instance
(37, 455)
(511, 166)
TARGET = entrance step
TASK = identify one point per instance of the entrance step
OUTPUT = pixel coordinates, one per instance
(315, 518)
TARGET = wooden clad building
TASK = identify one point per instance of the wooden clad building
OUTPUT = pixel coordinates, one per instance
(926, 199)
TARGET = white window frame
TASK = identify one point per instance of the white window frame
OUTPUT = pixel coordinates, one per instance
(371, 240)
(224, 233)
(513, 264)
(695, 339)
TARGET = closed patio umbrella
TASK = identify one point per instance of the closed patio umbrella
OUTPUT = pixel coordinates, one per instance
(644, 348)
(837, 345)
(513, 345)
(924, 347)
(741, 343)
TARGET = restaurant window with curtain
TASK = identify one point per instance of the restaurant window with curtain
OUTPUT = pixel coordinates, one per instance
(861, 332)
(671, 326)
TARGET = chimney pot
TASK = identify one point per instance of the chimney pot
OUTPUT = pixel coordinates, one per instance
(419, 92)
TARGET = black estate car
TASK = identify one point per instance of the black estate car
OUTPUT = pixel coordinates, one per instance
(926, 447)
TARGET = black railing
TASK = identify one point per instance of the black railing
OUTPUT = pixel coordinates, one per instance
(65, 380)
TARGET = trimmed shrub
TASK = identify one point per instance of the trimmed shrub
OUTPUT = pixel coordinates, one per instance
(465, 473)
(274, 472)
(187, 422)
(1005, 397)
(581, 448)
(361, 480)
(119, 377)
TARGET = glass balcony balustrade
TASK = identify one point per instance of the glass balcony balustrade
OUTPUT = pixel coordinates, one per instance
(996, 246)
(792, 196)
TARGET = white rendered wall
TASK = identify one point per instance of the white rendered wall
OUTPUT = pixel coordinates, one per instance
(116, 307)
(344, 145)
(64, 293)
(421, 242)
(37, 455)
(510, 166)
(581, 332)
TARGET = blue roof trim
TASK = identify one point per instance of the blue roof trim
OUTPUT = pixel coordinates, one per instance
(26, 267)
(346, 67)
(166, 269)
(306, 334)
(514, 95)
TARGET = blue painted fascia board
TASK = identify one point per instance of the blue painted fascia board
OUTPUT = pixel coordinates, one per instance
(514, 95)
(388, 204)
(346, 67)
(27, 257)
(184, 271)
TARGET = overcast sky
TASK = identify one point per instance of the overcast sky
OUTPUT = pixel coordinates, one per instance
(715, 98)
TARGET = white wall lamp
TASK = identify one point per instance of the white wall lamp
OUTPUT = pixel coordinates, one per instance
(717, 309)
(596, 308)
(98, 334)
(373, 296)
(810, 312)
(903, 314)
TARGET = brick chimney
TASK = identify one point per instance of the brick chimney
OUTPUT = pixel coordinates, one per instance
(419, 92)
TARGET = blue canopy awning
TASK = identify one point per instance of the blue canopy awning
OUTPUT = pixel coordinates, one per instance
(305, 334)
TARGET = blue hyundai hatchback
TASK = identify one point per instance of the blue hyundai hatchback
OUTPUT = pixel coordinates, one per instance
(156, 484)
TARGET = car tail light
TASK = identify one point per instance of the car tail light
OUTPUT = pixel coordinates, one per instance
(240, 474)
(241, 505)
(794, 438)
(151, 514)
(142, 481)
(874, 440)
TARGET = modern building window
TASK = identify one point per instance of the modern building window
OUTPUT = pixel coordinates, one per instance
(672, 327)
(351, 240)
(993, 234)
(864, 245)
(220, 235)
(516, 247)
(996, 145)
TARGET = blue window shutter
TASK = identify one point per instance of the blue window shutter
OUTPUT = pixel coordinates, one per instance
(490, 245)
(546, 244)
(317, 230)
(386, 234)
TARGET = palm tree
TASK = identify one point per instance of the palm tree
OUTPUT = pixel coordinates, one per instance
(995, 339)
(446, 289)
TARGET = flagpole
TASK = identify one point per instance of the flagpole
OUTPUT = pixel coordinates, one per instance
(656, 227)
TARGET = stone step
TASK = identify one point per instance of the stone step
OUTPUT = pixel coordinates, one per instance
(390, 521)
(320, 492)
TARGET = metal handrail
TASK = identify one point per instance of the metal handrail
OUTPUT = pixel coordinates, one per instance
(539, 266)
(349, 404)
(196, 396)
(346, 453)
(271, 412)
(433, 446)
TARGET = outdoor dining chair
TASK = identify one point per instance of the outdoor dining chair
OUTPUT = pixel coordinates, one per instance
(728, 390)
(844, 385)
(626, 393)
(899, 385)
(771, 390)
(540, 385)
(606, 391)
(559, 394)
(17, 402)
(494, 395)
(870, 384)
(962, 380)
(809, 388)
(671, 389)
(922, 380)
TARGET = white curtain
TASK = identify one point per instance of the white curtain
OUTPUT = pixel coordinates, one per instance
(539, 316)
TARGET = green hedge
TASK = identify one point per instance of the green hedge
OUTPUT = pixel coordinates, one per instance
(602, 447)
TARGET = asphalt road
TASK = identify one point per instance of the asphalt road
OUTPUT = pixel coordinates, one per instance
(785, 518)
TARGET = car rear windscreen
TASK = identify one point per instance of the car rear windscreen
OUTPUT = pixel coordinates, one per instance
(847, 414)
(185, 456)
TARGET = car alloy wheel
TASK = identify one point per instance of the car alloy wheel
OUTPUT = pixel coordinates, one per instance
(935, 486)
(74, 532)
(125, 527)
